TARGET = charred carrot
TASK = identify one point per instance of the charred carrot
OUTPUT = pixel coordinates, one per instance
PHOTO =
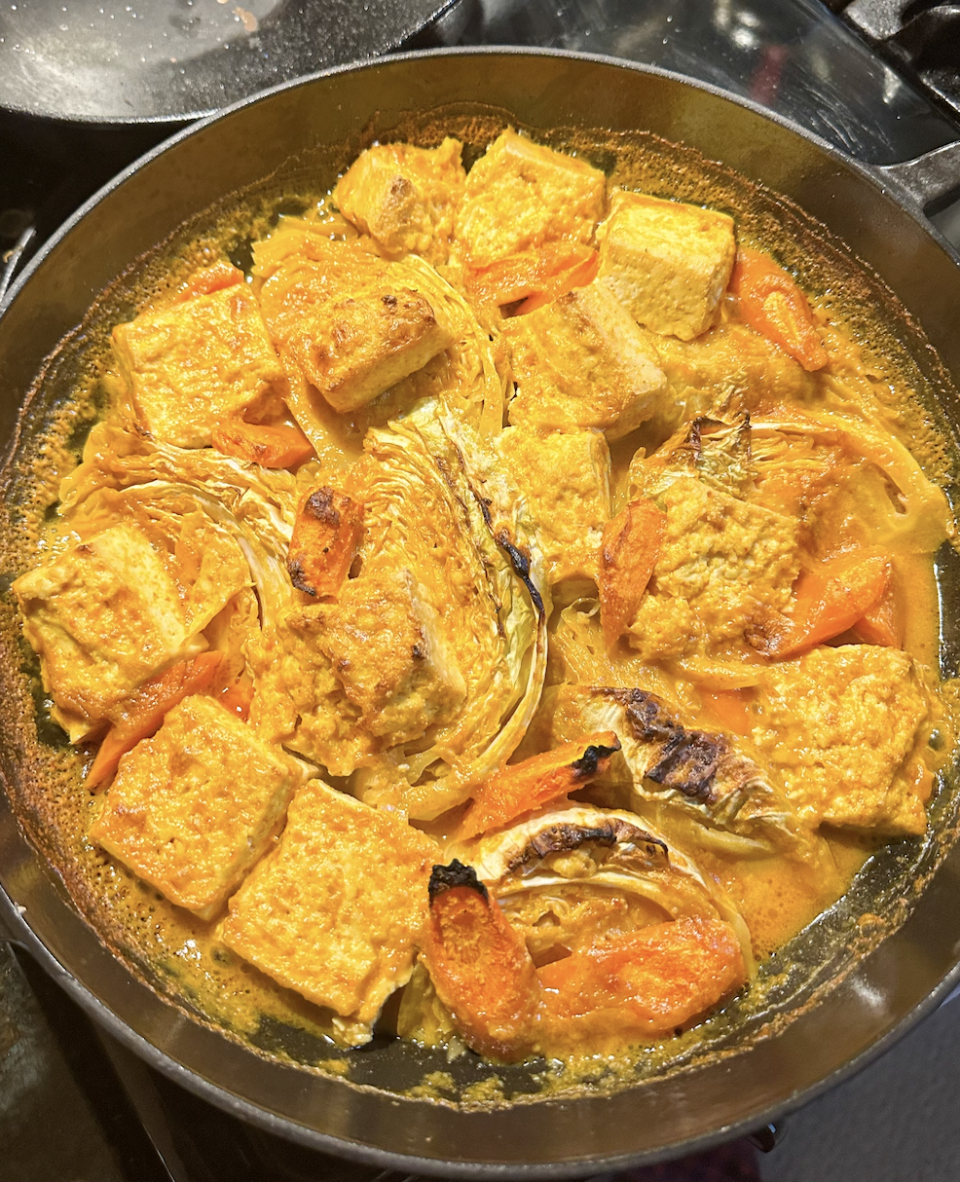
(326, 537)
(280, 446)
(773, 304)
(142, 714)
(479, 965)
(536, 781)
(628, 553)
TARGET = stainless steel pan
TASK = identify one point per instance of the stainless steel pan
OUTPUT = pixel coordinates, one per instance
(848, 989)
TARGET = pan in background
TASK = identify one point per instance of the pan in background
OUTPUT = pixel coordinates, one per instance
(886, 990)
(104, 61)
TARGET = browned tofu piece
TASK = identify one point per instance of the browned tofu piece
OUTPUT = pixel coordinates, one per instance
(520, 195)
(193, 808)
(300, 702)
(724, 565)
(582, 362)
(386, 645)
(405, 197)
(190, 366)
(840, 724)
(360, 345)
(352, 324)
(565, 479)
(332, 912)
(103, 617)
(668, 263)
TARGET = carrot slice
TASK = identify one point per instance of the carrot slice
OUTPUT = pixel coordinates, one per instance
(142, 714)
(522, 275)
(326, 537)
(214, 278)
(479, 965)
(238, 698)
(645, 982)
(882, 623)
(628, 553)
(773, 304)
(832, 600)
(280, 446)
(730, 708)
(524, 786)
(578, 276)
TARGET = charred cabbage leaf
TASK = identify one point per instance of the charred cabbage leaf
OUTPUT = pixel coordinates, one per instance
(421, 678)
(580, 863)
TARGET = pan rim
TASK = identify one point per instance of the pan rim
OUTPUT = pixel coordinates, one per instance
(287, 1126)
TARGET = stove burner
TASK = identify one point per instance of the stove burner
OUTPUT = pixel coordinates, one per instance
(919, 37)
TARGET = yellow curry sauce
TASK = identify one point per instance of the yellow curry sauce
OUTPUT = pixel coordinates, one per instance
(493, 607)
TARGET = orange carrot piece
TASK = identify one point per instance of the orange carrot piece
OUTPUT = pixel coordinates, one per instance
(773, 304)
(326, 537)
(882, 623)
(578, 276)
(628, 553)
(730, 708)
(479, 965)
(832, 600)
(238, 698)
(521, 787)
(524, 274)
(645, 982)
(214, 278)
(279, 446)
(142, 714)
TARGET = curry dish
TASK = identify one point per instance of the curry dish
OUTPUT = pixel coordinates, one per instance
(503, 615)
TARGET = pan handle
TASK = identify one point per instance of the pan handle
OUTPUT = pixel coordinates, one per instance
(928, 181)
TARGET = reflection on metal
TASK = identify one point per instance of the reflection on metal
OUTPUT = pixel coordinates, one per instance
(106, 60)
(793, 56)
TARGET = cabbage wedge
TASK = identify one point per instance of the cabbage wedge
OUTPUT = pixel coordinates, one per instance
(447, 574)
(737, 806)
(564, 874)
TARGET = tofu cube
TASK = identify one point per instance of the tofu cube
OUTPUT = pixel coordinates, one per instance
(565, 479)
(386, 645)
(405, 197)
(333, 911)
(520, 195)
(358, 345)
(581, 361)
(103, 617)
(350, 324)
(190, 366)
(668, 263)
(839, 724)
(192, 809)
(724, 566)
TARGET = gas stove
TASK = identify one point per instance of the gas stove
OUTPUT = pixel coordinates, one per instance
(866, 77)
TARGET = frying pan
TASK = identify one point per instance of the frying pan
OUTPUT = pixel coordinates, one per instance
(168, 61)
(846, 988)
